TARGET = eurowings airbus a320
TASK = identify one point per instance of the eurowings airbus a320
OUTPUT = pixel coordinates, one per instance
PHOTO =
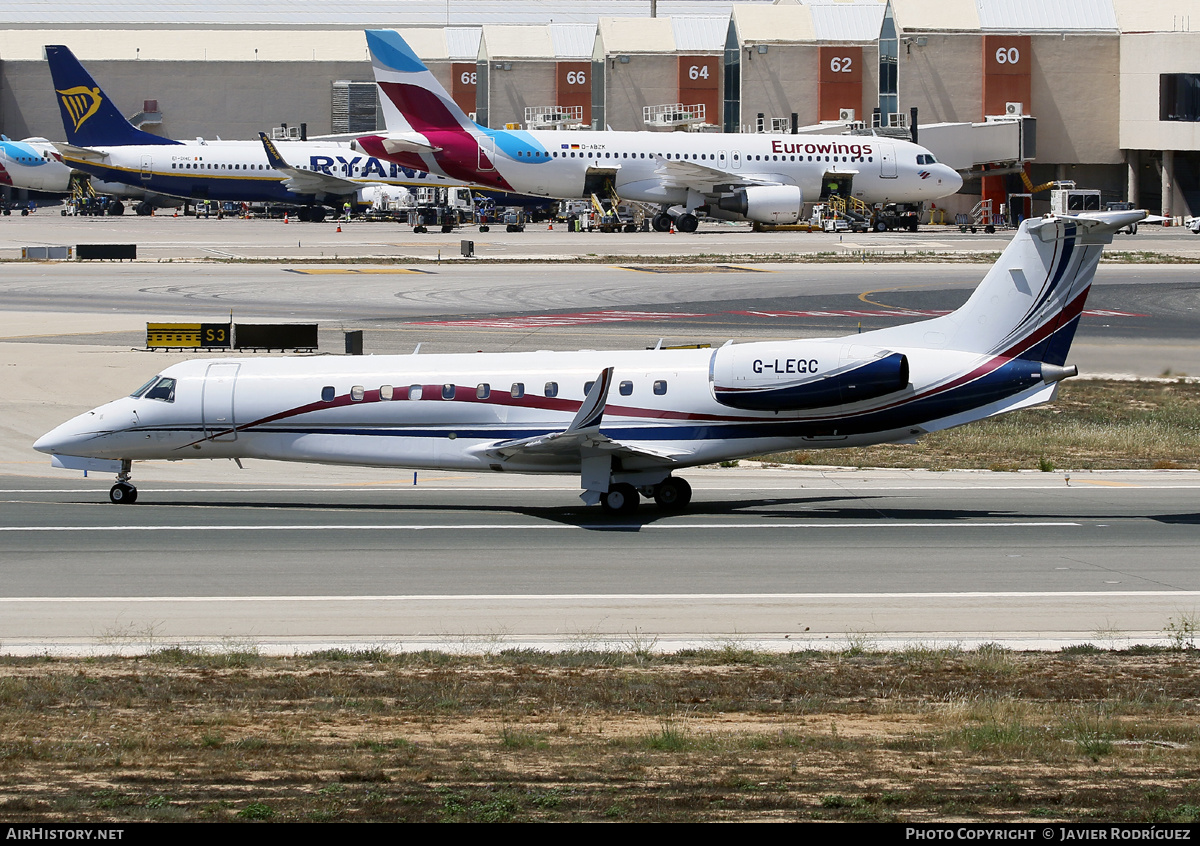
(764, 178)
(624, 422)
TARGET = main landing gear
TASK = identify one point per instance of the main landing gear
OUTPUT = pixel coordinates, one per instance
(684, 222)
(672, 495)
(123, 493)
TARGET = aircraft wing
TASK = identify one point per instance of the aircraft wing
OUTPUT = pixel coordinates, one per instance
(86, 154)
(701, 178)
(302, 181)
(583, 433)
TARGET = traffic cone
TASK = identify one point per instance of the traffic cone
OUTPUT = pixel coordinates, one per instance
(550, 228)
(339, 227)
(285, 217)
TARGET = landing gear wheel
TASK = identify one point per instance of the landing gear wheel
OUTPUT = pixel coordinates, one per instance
(117, 208)
(687, 223)
(661, 222)
(143, 209)
(122, 494)
(620, 499)
(673, 494)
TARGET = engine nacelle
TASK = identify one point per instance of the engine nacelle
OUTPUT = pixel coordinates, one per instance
(766, 203)
(801, 375)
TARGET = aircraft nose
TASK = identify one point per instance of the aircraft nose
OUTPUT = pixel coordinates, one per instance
(953, 179)
(70, 438)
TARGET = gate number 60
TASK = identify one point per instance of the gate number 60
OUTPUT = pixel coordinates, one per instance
(1008, 55)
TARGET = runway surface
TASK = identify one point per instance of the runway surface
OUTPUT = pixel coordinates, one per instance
(295, 557)
(779, 559)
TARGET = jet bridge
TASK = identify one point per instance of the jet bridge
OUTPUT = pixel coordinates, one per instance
(998, 145)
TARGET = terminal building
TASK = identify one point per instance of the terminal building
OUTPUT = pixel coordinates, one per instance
(1014, 93)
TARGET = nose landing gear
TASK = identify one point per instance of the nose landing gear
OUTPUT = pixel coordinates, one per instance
(123, 493)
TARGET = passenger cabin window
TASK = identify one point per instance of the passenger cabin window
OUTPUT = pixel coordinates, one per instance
(385, 392)
(660, 387)
(551, 389)
(626, 388)
(483, 390)
(518, 390)
(357, 393)
(447, 391)
(163, 390)
(415, 392)
(328, 393)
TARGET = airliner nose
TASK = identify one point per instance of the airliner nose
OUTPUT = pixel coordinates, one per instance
(953, 178)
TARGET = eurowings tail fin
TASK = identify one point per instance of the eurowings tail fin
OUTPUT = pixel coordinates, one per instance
(412, 98)
(1028, 305)
(90, 118)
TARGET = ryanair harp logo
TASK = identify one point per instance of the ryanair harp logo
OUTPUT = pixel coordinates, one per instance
(80, 102)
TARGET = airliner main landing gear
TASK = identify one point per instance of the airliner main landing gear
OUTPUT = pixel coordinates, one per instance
(123, 493)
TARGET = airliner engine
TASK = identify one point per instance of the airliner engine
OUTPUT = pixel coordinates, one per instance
(796, 376)
(766, 203)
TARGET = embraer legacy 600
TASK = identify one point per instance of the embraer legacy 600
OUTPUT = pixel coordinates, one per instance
(622, 421)
(764, 178)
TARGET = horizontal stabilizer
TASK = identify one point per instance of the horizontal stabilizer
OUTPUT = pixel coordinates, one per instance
(85, 154)
(408, 145)
(1090, 227)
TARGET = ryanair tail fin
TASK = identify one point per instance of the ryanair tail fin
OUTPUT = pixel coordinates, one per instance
(90, 118)
(1028, 306)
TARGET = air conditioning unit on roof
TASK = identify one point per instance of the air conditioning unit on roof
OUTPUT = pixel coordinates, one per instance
(1012, 109)
(846, 115)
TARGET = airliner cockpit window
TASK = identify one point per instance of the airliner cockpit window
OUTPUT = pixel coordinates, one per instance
(144, 388)
(163, 390)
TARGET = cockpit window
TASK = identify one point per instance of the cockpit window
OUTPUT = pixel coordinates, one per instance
(143, 388)
(163, 390)
(926, 159)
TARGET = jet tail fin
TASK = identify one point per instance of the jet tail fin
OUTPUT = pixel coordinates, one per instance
(90, 118)
(1028, 306)
(412, 98)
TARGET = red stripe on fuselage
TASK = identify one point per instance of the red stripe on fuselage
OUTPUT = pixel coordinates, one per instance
(460, 156)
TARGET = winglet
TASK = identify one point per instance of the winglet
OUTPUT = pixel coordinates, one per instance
(592, 410)
(274, 158)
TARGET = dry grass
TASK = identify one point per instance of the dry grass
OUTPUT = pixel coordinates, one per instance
(1093, 425)
(923, 734)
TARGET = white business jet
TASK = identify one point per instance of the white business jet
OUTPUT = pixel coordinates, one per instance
(764, 178)
(624, 422)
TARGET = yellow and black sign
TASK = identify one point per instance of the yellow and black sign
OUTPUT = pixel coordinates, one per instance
(187, 335)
